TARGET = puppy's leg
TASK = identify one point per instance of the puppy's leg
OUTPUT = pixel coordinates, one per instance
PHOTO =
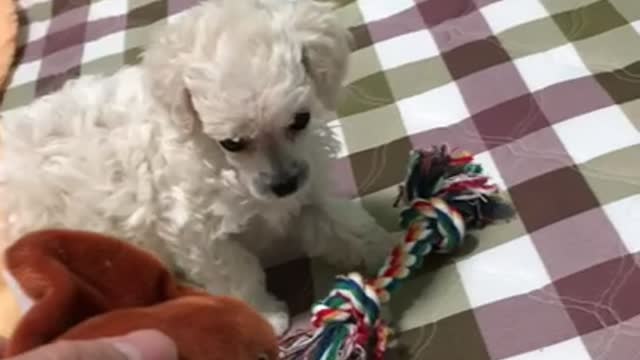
(345, 234)
(232, 270)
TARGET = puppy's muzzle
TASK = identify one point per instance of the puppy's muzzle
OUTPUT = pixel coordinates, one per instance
(285, 187)
(287, 183)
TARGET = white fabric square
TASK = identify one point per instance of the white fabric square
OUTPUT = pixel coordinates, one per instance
(625, 216)
(505, 14)
(636, 26)
(26, 73)
(104, 46)
(379, 9)
(439, 107)
(336, 127)
(573, 349)
(490, 168)
(406, 49)
(554, 66)
(597, 133)
(172, 19)
(25, 4)
(511, 269)
(107, 8)
(37, 30)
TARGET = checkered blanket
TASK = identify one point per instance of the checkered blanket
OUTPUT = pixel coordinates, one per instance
(545, 92)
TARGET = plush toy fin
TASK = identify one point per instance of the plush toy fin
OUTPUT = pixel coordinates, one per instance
(13, 304)
(15, 293)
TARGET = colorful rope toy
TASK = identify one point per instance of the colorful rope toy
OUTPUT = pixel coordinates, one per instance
(445, 195)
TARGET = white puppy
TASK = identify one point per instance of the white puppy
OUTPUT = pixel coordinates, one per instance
(207, 153)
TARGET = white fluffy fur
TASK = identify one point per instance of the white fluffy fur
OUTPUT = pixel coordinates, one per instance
(136, 154)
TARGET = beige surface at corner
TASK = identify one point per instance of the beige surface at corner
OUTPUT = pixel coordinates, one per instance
(8, 31)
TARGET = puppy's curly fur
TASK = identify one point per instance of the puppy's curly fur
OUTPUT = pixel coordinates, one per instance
(183, 154)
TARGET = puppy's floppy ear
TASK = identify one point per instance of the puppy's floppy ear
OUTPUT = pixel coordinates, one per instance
(188, 118)
(166, 61)
(325, 44)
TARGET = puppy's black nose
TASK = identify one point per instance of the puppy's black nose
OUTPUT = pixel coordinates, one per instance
(285, 187)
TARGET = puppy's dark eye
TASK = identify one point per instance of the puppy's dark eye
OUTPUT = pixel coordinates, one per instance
(300, 121)
(234, 145)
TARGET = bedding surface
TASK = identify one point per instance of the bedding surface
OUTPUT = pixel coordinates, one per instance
(546, 93)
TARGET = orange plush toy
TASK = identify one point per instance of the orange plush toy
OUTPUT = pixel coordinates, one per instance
(80, 285)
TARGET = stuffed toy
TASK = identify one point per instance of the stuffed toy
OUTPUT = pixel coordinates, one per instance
(78, 285)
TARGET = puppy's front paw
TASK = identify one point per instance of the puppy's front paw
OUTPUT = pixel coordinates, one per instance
(366, 242)
(378, 247)
(274, 311)
(279, 320)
